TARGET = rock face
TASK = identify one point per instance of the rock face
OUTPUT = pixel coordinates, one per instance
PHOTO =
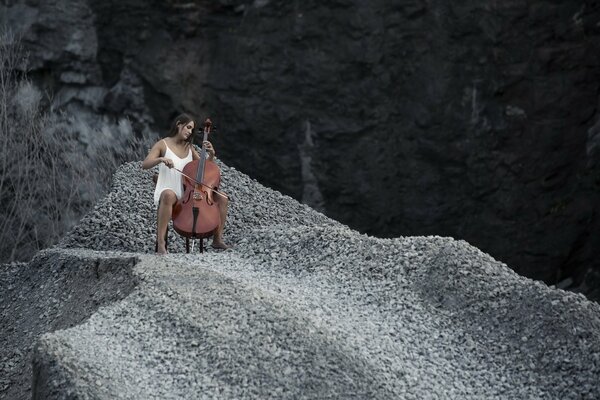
(472, 119)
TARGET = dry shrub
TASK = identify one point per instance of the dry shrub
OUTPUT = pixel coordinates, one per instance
(48, 178)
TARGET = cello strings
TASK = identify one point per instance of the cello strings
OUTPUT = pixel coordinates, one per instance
(200, 183)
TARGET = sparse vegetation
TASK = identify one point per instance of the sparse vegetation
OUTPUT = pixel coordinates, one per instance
(48, 177)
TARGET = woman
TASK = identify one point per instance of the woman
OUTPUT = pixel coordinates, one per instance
(176, 150)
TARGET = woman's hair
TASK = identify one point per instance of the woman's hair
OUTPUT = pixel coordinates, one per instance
(183, 119)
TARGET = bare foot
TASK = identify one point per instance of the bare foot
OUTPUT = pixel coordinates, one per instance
(162, 248)
(219, 244)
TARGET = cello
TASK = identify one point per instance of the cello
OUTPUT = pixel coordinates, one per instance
(196, 214)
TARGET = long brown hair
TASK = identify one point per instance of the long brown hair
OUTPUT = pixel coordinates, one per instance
(183, 119)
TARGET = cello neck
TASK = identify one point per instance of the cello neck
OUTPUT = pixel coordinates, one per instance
(200, 171)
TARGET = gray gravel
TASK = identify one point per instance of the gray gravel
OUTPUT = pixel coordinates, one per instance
(304, 307)
(58, 289)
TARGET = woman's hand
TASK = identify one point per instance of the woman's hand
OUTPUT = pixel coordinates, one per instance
(167, 161)
(209, 148)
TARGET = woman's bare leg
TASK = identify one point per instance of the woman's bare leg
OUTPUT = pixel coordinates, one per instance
(165, 210)
(218, 242)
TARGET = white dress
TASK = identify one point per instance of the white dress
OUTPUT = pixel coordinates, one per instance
(169, 178)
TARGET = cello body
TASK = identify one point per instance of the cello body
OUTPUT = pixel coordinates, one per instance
(196, 214)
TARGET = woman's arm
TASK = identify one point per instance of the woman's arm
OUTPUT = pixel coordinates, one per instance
(209, 149)
(154, 157)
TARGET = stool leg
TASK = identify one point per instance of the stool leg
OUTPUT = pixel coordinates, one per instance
(187, 245)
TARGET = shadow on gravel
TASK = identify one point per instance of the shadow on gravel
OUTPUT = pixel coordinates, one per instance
(57, 290)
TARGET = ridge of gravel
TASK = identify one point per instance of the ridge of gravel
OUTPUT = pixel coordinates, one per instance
(57, 289)
(304, 307)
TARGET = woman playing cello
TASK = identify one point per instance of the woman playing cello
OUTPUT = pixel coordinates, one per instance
(174, 152)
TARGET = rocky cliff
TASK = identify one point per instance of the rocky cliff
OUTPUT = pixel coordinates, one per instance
(471, 119)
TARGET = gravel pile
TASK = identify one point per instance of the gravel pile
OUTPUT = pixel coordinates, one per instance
(57, 290)
(125, 219)
(304, 307)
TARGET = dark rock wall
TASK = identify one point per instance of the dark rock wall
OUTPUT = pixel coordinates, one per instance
(473, 119)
